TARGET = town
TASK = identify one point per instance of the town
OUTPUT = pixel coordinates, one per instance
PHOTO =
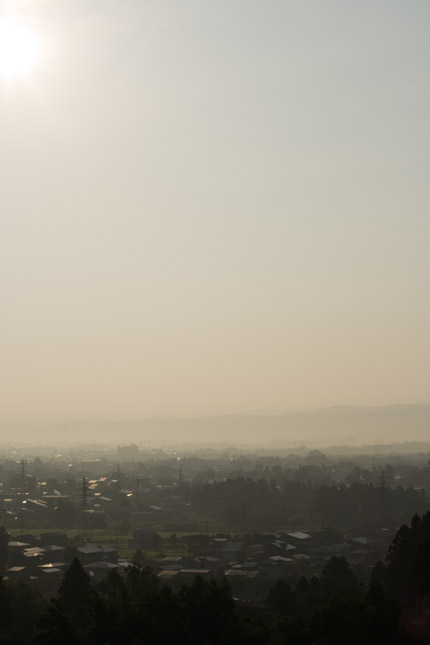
(246, 515)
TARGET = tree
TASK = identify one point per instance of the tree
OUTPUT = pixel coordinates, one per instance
(207, 609)
(338, 579)
(408, 572)
(4, 541)
(55, 627)
(343, 621)
(139, 558)
(75, 586)
(24, 607)
(78, 598)
(281, 600)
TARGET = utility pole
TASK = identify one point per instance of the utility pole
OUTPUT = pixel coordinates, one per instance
(23, 476)
(83, 530)
(383, 489)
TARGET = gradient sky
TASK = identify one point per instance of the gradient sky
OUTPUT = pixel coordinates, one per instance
(215, 207)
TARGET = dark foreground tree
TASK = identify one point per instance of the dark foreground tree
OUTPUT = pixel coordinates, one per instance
(4, 541)
(281, 600)
(75, 586)
(55, 627)
(77, 597)
(338, 579)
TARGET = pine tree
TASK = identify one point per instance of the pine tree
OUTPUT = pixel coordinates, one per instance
(4, 541)
(75, 586)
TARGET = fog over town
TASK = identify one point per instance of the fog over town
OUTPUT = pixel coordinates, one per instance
(214, 329)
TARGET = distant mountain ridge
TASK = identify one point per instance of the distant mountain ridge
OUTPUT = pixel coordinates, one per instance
(352, 425)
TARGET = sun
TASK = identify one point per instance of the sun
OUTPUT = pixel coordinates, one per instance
(20, 48)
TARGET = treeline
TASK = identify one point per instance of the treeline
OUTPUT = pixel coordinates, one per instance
(248, 502)
(134, 609)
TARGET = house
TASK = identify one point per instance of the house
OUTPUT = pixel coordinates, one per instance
(16, 573)
(90, 553)
(233, 551)
(49, 579)
(241, 573)
(299, 536)
(53, 553)
(188, 575)
(99, 570)
(167, 577)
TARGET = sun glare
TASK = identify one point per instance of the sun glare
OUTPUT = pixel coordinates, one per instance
(20, 48)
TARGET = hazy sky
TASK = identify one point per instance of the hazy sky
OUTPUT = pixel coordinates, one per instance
(215, 207)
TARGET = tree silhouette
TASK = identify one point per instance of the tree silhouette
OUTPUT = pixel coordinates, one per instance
(55, 627)
(75, 585)
(338, 579)
(139, 558)
(281, 600)
(4, 541)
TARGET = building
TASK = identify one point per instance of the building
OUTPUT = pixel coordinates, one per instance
(128, 453)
